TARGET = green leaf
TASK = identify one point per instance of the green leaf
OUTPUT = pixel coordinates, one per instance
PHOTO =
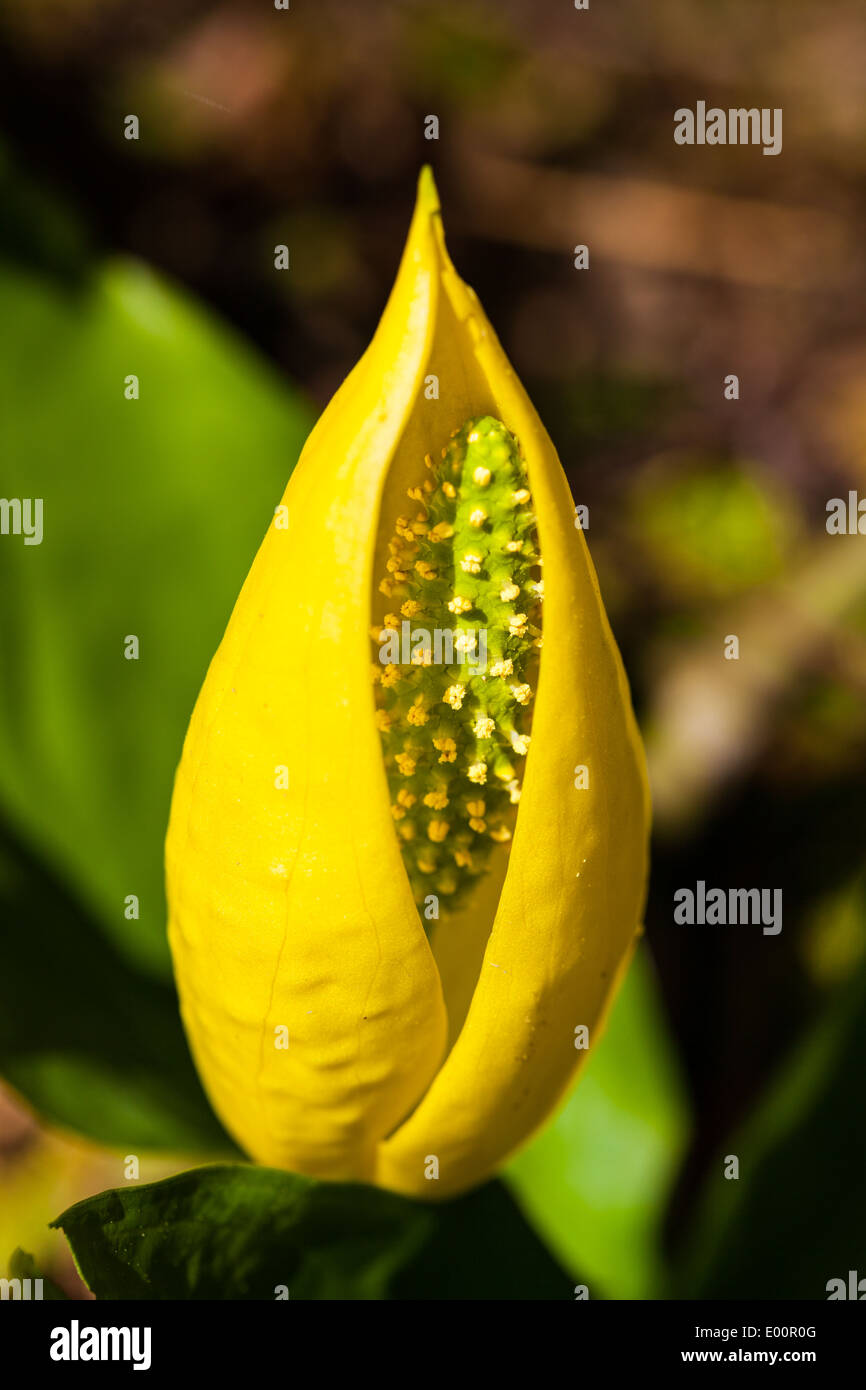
(23, 1266)
(712, 528)
(241, 1233)
(237, 1232)
(595, 1182)
(152, 512)
(796, 1216)
(96, 1046)
(482, 1248)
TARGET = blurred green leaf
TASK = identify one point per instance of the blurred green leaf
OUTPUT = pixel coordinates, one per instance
(241, 1232)
(796, 1216)
(92, 1043)
(598, 408)
(834, 940)
(596, 1181)
(482, 1248)
(23, 1266)
(461, 55)
(153, 510)
(711, 528)
(38, 229)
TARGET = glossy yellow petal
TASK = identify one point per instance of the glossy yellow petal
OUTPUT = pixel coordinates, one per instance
(572, 899)
(291, 916)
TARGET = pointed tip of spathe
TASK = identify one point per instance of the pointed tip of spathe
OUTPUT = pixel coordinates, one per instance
(427, 227)
(428, 194)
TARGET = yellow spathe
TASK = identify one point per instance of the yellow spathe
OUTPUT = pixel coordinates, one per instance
(290, 908)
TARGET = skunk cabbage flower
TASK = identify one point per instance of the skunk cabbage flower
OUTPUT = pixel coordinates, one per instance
(399, 903)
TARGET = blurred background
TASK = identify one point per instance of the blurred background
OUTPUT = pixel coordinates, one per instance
(155, 256)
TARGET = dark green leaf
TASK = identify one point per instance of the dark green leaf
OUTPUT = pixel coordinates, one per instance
(243, 1233)
(94, 1044)
(796, 1216)
(482, 1248)
(238, 1232)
